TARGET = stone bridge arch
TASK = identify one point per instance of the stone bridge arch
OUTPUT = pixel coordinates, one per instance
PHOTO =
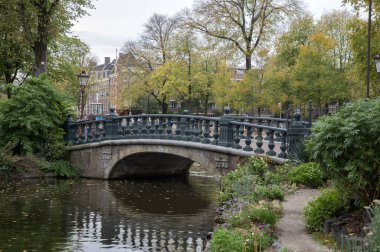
(150, 157)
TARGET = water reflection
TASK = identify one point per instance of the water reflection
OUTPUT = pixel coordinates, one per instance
(92, 215)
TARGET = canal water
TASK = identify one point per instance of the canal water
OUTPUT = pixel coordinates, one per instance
(95, 215)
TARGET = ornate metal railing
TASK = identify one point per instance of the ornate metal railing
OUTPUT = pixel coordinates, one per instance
(261, 135)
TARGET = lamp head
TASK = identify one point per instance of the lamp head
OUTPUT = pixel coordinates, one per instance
(83, 79)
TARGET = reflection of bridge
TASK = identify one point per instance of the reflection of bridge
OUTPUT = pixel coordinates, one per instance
(158, 145)
(122, 215)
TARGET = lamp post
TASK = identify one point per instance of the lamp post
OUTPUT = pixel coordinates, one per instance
(83, 80)
(368, 46)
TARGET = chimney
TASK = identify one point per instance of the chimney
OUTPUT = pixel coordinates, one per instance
(107, 60)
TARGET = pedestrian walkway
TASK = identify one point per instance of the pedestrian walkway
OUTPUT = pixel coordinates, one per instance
(292, 232)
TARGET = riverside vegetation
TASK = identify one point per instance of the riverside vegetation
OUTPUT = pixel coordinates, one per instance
(344, 149)
(31, 130)
(250, 200)
(346, 146)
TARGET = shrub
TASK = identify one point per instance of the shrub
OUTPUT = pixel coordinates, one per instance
(326, 206)
(33, 117)
(226, 240)
(299, 154)
(252, 181)
(60, 168)
(308, 174)
(257, 241)
(347, 146)
(242, 181)
(6, 159)
(253, 215)
(269, 192)
(257, 166)
(229, 240)
(280, 174)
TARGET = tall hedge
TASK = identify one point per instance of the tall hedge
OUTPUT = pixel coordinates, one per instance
(347, 146)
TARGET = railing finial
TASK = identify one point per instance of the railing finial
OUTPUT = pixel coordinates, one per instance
(227, 110)
(297, 115)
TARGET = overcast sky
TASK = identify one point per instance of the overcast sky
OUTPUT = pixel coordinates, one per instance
(115, 21)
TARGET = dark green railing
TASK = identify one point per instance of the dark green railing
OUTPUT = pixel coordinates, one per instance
(263, 135)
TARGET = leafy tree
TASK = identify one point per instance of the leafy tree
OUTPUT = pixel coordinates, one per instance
(15, 56)
(212, 71)
(358, 41)
(288, 45)
(43, 20)
(244, 23)
(68, 57)
(314, 76)
(200, 65)
(312, 62)
(278, 85)
(358, 44)
(153, 49)
(335, 26)
(33, 117)
(279, 93)
(186, 48)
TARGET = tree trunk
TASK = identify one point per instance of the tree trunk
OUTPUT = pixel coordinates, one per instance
(248, 62)
(190, 100)
(164, 107)
(40, 58)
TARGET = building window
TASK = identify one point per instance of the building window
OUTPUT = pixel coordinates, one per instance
(172, 104)
(211, 106)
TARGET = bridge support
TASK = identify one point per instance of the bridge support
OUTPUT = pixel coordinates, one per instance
(143, 158)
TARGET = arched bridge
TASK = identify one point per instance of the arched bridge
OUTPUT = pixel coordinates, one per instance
(160, 145)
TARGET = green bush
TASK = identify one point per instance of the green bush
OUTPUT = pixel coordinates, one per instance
(242, 181)
(257, 166)
(257, 242)
(280, 174)
(326, 206)
(347, 146)
(230, 240)
(253, 181)
(6, 159)
(33, 117)
(253, 215)
(224, 240)
(269, 192)
(308, 174)
(60, 168)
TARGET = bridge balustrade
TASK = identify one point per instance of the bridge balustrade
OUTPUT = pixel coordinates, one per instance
(259, 135)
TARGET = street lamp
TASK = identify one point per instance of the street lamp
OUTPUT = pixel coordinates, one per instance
(377, 62)
(83, 80)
